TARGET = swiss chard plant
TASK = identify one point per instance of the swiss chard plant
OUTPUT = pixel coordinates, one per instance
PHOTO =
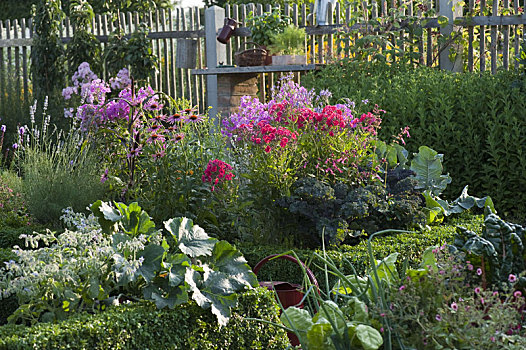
(427, 165)
(499, 250)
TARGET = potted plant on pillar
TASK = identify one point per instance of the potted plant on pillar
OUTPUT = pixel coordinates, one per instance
(264, 26)
(289, 46)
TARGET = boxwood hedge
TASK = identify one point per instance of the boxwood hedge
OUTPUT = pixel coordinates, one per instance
(409, 245)
(142, 326)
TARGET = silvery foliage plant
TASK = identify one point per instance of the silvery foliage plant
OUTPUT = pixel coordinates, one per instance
(79, 269)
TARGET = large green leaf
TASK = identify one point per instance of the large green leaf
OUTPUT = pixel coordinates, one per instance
(227, 259)
(359, 284)
(124, 274)
(369, 337)
(166, 296)
(329, 310)
(386, 269)
(427, 165)
(221, 305)
(106, 216)
(135, 221)
(190, 238)
(215, 291)
(297, 319)
(466, 202)
(319, 335)
(195, 282)
(358, 310)
(176, 266)
(429, 259)
(152, 255)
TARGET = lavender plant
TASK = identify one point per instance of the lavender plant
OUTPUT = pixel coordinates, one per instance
(58, 168)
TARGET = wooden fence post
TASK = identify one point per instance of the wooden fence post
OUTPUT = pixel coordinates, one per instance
(215, 53)
(450, 9)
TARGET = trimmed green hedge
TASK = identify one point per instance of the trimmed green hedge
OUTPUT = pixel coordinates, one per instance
(6, 254)
(142, 326)
(409, 245)
(475, 119)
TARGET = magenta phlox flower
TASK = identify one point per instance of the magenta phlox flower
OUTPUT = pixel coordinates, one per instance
(217, 172)
(116, 110)
(251, 111)
(98, 90)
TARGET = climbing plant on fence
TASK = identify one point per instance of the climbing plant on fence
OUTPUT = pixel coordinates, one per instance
(47, 53)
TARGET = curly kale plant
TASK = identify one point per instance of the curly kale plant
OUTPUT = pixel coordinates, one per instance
(339, 212)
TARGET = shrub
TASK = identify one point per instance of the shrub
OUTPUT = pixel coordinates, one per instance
(475, 119)
(141, 326)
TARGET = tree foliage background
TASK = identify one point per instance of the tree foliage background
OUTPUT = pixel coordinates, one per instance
(11, 9)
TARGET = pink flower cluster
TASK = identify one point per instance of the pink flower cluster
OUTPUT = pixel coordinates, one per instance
(217, 172)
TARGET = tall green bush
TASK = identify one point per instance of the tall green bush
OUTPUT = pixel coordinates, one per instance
(47, 53)
(475, 119)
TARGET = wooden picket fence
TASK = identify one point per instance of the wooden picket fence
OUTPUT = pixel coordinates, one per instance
(491, 30)
(167, 28)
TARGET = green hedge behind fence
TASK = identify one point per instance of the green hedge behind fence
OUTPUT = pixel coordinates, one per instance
(142, 327)
(478, 121)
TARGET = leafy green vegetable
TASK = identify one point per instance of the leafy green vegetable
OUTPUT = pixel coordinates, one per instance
(427, 165)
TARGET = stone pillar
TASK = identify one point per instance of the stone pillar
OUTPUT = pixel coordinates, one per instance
(230, 89)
